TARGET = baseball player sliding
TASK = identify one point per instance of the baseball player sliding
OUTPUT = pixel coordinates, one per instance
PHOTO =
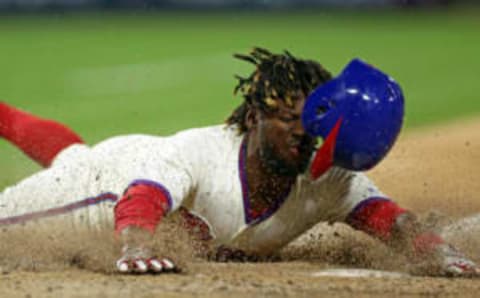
(250, 185)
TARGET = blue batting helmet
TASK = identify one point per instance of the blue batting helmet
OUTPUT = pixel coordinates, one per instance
(359, 114)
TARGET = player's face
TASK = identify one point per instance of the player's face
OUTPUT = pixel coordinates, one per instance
(284, 145)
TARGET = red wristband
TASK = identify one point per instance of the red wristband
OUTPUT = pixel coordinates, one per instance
(375, 216)
(143, 204)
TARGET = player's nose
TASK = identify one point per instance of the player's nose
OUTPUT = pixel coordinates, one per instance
(298, 129)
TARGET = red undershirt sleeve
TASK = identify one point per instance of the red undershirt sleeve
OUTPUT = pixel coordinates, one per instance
(143, 204)
(375, 216)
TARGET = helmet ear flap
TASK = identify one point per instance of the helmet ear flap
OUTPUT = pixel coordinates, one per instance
(321, 111)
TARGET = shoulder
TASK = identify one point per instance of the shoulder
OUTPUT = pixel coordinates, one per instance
(215, 131)
(190, 143)
(125, 142)
(217, 136)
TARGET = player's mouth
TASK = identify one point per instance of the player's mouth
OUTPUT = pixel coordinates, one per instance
(295, 151)
(302, 148)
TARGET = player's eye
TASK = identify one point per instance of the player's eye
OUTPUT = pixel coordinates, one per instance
(287, 118)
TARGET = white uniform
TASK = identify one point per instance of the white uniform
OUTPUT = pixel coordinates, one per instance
(201, 169)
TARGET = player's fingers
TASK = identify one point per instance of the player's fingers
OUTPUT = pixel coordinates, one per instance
(139, 265)
(161, 265)
(155, 265)
(463, 268)
(123, 266)
(455, 270)
(168, 265)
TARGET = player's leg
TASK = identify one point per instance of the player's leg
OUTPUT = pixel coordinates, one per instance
(40, 139)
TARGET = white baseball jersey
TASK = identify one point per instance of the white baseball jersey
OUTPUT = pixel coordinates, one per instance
(202, 170)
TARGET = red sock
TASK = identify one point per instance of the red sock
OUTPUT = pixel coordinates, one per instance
(40, 139)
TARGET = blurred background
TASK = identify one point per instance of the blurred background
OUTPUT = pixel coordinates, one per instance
(108, 67)
(212, 4)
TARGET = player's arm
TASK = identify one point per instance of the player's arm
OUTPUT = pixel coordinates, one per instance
(357, 135)
(161, 175)
(137, 214)
(398, 227)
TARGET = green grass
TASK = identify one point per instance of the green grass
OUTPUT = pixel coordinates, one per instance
(109, 74)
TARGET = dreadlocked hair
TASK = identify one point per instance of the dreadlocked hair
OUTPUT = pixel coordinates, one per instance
(276, 77)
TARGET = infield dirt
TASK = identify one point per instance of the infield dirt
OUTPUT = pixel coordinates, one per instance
(432, 171)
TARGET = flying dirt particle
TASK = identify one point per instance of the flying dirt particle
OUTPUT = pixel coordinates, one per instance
(58, 247)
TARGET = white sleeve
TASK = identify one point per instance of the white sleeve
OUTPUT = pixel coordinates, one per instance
(64, 194)
(362, 188)
(145, 159)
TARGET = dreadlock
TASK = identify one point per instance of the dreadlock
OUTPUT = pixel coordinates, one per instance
(276, 77)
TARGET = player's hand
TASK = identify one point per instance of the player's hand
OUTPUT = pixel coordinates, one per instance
(140, 260)
(137, 257)
(437, 257)
(454, 263)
